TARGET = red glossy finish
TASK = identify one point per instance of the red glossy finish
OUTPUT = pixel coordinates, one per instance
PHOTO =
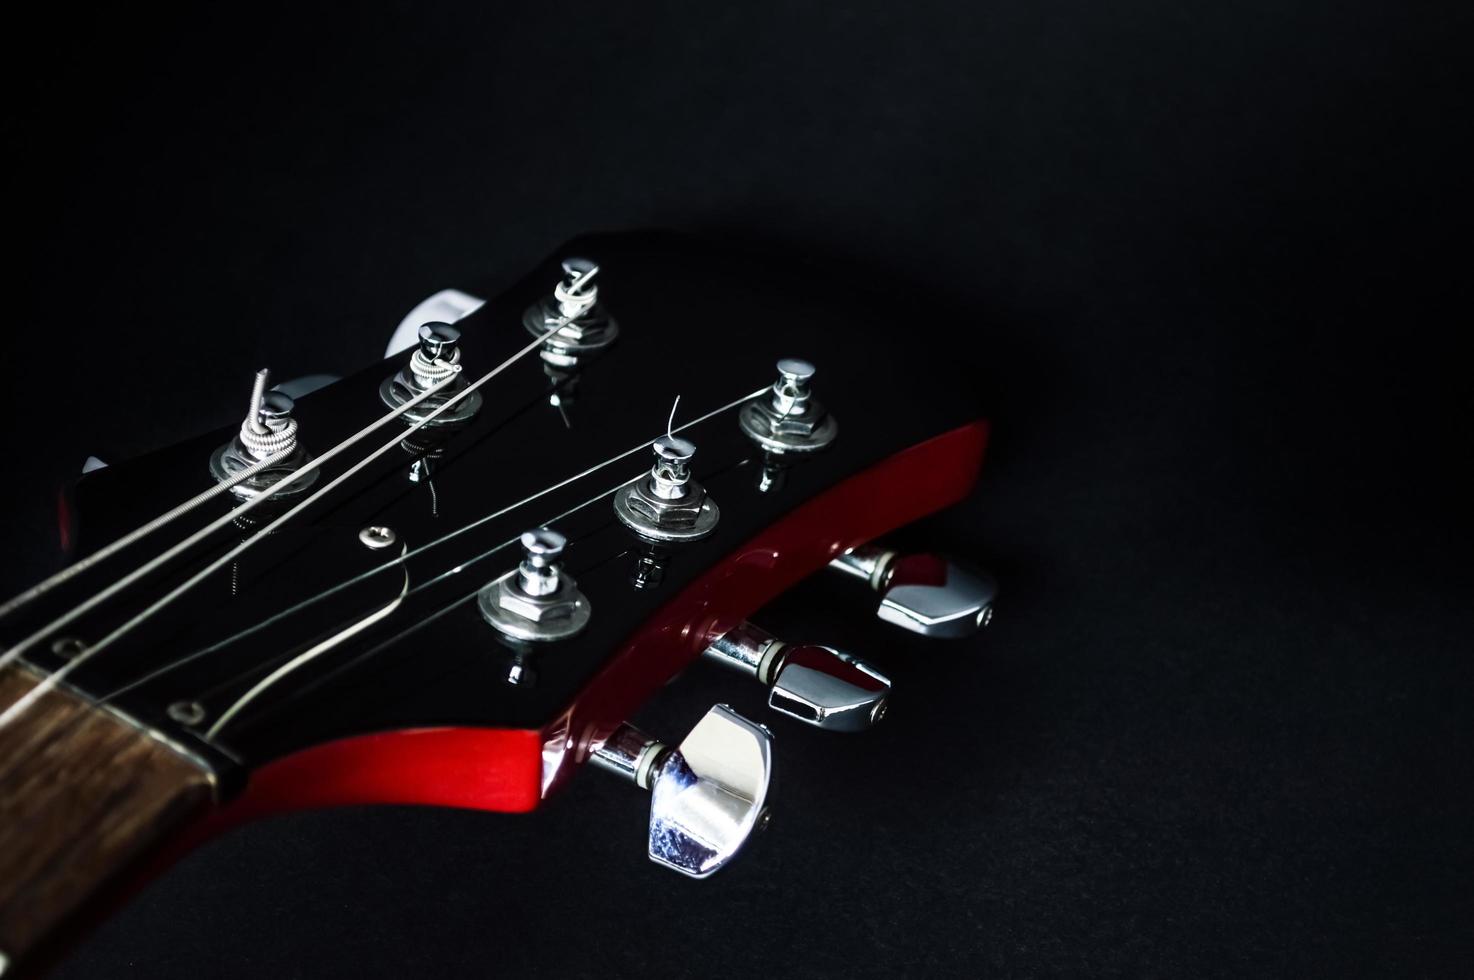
(513, 770)
(918, 570)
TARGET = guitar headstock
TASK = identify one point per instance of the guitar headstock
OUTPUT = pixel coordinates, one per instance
(588, 483)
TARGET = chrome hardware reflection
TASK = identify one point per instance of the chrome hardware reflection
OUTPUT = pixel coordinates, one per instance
(589, 327)
(790, 421)
(536, 601)
(268, 431)
(667, 504)
(819, 686)
(432, 362)
(925, 594)
(707, 796)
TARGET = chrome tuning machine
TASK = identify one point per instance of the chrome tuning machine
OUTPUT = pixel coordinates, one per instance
(437, 358)
(268, 431)
(667, 504)
(790, 421)
(586, 327)
(925, 594)
(707, 795)
(536, 602)
(819, 686)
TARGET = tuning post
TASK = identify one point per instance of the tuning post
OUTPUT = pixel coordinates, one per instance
(790, 420)
(586, 326)
(707, 795)
(667, 504)
(820, 686)
(268, 430)
(537, 601)
(437, 357)
(925, 594)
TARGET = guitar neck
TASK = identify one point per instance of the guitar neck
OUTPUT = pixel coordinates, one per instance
(84, 797)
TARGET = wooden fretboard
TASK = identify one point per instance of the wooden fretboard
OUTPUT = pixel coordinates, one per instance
(83, 795)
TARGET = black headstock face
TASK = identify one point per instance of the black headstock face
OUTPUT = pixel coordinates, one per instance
(403, 644)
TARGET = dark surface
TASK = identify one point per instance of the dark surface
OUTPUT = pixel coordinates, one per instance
(1222, 724)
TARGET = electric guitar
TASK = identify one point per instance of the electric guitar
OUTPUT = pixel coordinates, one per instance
(451, 578)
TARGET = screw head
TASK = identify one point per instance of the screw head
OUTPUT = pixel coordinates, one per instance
(68, 647)
(187, 712)
(377, 538)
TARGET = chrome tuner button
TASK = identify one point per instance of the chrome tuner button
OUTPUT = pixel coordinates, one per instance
(269, 432)
(925, 594)
(819, 686)
(667, 504)
(536, 601)
(707, 796)
(436, 359)
(789, 421)
(583, 326)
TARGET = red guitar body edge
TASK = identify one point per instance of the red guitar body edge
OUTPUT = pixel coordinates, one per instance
(514, 770)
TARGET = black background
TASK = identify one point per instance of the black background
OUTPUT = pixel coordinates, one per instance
(1212, 255)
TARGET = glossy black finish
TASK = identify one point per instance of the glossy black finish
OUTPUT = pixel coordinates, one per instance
(434, 660)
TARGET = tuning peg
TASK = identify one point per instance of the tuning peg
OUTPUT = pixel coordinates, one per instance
(817, 685)
(925, 594)
(537, 601)
(707, 796)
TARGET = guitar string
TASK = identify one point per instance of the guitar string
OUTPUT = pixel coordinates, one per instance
(54, 678)
(77, 568)
(301, 659)
(420, 624)
(307, 656)
(81, 609)
(414, 627)
(363, 576)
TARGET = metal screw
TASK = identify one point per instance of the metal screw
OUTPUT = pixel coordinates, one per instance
(187, 712)
(68, 647)
(377, 538)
